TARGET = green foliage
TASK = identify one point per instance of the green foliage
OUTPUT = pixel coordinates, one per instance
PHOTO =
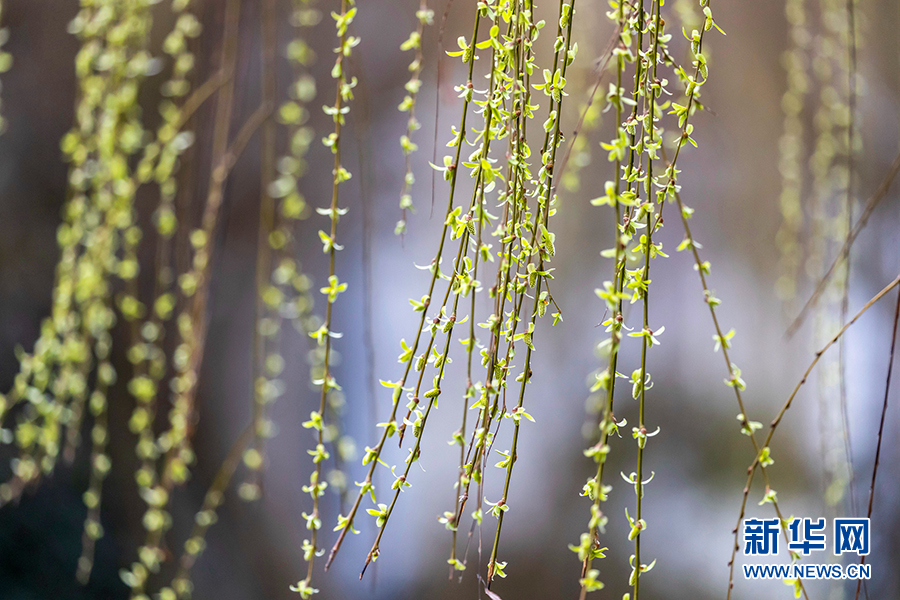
(507, 141)
(324, 335)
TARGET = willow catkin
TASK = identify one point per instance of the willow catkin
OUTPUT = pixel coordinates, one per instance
(791, 148)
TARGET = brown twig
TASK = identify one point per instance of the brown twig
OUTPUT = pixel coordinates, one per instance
(873, 201)
(887, 389)
(602, 62)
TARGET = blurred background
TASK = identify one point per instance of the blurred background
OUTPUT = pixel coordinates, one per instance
(699, 457)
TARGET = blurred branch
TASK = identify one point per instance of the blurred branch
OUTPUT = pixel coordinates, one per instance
(871, 204)
(602, 62)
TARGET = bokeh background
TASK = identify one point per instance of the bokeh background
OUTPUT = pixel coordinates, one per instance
(699, 457)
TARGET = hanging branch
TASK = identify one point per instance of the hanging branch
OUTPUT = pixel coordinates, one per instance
(627, 23)
(324, 335)
(100, 466)
(265, 362)
(424, 16)
(514, 221)
(887, 390)
(372, 456)
(160, 165)
(517, 94)
(461, 281)
(192, 321)
(819, 354)
(652, 88)
(284, 290)
(763, 458)
(181, 586)
(543, 247)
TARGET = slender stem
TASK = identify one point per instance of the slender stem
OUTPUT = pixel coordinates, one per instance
(736, 384)
(373, 457)
(544, 214)
(649, 99)
(416, 450)
(887, 389)
(671, 189)
(608, 419)
(478, 441)
(203, 256)
(423, 16)
(751, 470)
(474, 210)
(327, 379)
(819, 354)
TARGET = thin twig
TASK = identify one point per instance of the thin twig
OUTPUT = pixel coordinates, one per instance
(601, 71)
(871, 204)
(887, 389)
(203, 93)
(735, 384)
(819, 354)
(213, 498)
(243, 137)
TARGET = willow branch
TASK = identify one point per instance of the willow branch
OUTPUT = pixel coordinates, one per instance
(887, 389)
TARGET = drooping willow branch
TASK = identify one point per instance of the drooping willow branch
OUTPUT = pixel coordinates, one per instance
(514, 96)
(723, 340)
(461, 282)
(763, 458)
(193, 320)
(670, 189)
(884, 407)
(748, 427)
(589, 546)
(70, 365)
(152, 364)
(372, 456)
(819, 354)
(652, 88)
(324, 335)
(517, 91)
(791, 151)
(424, 16)
(554, 87)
